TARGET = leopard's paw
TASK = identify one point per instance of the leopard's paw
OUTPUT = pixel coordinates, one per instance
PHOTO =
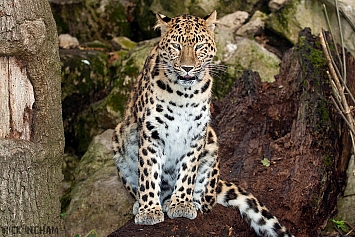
(182, 209)
(149, 216)
(135, 208)
(166, 205)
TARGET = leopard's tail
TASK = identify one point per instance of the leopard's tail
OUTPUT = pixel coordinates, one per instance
(251, 210)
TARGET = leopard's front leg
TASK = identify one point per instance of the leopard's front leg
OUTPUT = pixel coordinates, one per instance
(181, 203)
(149, 165)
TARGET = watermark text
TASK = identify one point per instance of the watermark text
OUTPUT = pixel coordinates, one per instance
(29, 230)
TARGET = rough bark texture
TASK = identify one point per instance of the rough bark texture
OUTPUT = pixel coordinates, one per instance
(31, 131)
(291, 123)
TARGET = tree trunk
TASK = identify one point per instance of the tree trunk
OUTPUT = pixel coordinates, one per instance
(31, 129)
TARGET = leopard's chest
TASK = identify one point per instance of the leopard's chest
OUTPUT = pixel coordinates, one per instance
(179, 119)
(184, 129)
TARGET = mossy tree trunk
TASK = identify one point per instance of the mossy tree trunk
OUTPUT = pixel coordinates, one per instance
(31, 129)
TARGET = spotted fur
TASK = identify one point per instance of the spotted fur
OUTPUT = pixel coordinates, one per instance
(165, 150)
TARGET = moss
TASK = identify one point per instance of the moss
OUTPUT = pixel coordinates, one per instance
(116, 100)
(313, 63)
(129, 68)
(328, 161)
(117, 103)
(125, 42)
(317, 58)
(117, 17)
(97, 44)
(83, 74)
(225, 80)
(312, 53)
(283, 22)
(227, 7)
(323, 113)
(89, 20)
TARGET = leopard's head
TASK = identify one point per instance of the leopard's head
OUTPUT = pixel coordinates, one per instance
(187, 46)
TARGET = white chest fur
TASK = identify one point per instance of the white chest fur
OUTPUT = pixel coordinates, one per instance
(180, 118)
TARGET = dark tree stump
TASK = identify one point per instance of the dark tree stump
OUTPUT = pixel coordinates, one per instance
(292, 123)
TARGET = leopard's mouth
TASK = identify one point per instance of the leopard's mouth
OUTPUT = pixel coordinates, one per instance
(187, 80)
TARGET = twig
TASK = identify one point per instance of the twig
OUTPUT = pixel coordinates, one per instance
(336, 68)
(342, 41)
(334, 75)
(331, 33)
(337, 71)
(342, 115)
(338, 90)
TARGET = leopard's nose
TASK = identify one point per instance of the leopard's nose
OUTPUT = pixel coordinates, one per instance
(187, 68)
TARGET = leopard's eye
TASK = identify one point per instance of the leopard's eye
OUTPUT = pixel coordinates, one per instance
(198, 46)
(176, 46)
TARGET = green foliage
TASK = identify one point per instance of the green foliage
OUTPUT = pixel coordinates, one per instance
(62, 215)
(265, 162)
(339, 224)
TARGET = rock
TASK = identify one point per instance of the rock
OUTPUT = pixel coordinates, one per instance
(96, 45)
(247, 54)
(95, 88)
(98, 199)
(136, 57)
(67, 41)
(275, 5)
(347, 6)
(233, 21)
(239, 54)
(145, 10)
(176, 7)
(85, 80)
(123, 43)
(255, 26)
(92, 20)
(296, 15)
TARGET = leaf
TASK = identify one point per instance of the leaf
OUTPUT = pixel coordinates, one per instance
(265, 162)
(339, 224)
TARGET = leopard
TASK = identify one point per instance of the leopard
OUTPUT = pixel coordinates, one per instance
(165, 149)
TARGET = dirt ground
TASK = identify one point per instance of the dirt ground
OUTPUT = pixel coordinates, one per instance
(286, 123)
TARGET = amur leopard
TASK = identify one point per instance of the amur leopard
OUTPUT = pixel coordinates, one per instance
(165, 149)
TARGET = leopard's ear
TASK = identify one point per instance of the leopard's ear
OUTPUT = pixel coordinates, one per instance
(211, 20)
(162, 23)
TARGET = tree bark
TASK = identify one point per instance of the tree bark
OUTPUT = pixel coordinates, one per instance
(31, 129)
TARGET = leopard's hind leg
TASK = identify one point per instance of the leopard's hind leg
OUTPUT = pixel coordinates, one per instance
(208, 174)
(125, 156)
